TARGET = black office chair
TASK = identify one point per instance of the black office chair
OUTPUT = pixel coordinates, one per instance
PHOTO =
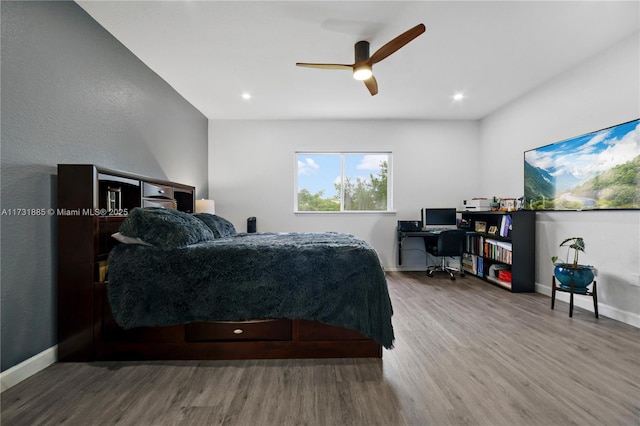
(448, 244)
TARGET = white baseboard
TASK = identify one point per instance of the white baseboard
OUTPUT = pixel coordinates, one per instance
(401, 269)
(587, 304)
(28, 368)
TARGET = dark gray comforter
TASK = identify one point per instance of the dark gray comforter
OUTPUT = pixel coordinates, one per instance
(331, 277)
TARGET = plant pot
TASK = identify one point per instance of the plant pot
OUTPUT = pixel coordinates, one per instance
(582, 276)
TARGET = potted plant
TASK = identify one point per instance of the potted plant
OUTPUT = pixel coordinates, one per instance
(565, 272)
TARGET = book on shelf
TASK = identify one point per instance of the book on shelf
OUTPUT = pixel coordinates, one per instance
(475, 244)
(506, 225)
(504, 244)
(470, 263)
(498, 250)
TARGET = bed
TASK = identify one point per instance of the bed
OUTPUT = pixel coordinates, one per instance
(185, 286)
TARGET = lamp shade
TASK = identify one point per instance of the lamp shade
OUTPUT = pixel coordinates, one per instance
(206, 206)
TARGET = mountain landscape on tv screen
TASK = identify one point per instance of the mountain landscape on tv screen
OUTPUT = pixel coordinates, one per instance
(600, 170)
(538, 183)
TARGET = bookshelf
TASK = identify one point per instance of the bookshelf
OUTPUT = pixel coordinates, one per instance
(503, 255)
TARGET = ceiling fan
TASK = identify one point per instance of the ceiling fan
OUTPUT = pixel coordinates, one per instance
(362, 68)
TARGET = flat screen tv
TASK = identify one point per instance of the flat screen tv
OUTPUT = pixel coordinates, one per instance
(595, 171)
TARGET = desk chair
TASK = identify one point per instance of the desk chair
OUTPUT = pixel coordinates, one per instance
(447, 244)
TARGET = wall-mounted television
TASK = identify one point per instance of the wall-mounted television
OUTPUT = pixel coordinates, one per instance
(596, 171)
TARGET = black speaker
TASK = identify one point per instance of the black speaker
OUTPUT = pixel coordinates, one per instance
(252, 227)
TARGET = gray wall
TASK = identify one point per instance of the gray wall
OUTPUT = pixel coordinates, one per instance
(71, 93)
(599, 93)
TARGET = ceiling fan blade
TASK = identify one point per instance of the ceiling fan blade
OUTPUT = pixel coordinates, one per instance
(326, 66)
(372, 85)
(396, 44)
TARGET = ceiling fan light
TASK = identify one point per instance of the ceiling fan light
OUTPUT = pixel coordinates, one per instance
(362, 72)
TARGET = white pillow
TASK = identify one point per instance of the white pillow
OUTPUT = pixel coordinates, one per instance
(128, 240)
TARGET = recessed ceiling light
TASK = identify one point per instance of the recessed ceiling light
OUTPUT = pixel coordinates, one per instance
(246, 95)
(458, 96)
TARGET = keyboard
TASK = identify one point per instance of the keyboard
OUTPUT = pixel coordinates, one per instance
(439, 229)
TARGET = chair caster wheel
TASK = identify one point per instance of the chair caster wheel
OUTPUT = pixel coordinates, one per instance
(453, 278)
(430, 274)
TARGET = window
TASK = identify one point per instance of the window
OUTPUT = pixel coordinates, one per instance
(343, 182)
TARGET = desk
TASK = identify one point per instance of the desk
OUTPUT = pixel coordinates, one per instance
(424, 234)
(405, 234)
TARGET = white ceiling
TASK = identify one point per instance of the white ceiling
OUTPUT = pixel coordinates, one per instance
(493, 51)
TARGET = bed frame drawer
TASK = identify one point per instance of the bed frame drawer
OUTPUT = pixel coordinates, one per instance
(279, 329)
(156, 190)
(165, 204)
(315, 330)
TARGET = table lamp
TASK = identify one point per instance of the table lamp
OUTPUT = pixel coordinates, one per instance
(205, 206)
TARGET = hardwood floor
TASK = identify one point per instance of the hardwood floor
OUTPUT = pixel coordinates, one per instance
(467, 353)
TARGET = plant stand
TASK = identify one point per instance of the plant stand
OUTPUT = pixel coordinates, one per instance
(593, 293)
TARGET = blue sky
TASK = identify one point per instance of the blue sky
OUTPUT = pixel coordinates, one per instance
(320, 171)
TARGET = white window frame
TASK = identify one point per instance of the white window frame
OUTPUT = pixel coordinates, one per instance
(342, 155)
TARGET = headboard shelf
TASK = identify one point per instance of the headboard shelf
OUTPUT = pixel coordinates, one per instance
(92, 202)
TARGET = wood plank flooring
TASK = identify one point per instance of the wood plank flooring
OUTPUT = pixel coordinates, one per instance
(467, 353)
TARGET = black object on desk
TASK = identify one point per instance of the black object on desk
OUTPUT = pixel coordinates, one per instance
(409, 225)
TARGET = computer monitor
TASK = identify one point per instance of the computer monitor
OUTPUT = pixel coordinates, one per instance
(439, 217)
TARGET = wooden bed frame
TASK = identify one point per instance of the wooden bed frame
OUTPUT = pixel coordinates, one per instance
(280, 338)
(86, 328)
